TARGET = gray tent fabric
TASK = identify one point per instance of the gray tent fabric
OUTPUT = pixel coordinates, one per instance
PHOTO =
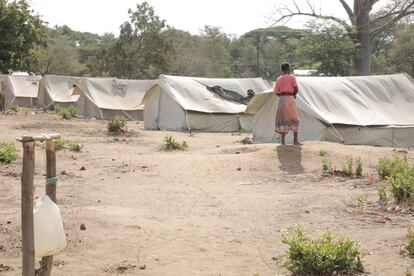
(20, 90)
(373, 110)
(185, 103)
(58, 90)
(105, 98)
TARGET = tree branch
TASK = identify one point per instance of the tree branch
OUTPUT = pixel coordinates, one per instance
(408, 10)
(348, 10)
(289, 13)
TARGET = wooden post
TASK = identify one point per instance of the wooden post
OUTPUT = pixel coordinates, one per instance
(28, 251)
(47, 262)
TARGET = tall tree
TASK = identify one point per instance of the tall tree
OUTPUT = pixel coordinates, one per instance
(363, 24)
(326, 48)
(402, 52)
(142, 49)
(20, 33)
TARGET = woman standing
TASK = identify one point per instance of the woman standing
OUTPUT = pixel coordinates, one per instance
(287, 118)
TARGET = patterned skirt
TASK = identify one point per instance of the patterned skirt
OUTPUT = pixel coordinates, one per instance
(287, 117)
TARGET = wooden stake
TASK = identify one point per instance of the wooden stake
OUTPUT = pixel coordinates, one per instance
(47, 262)
(28, 251)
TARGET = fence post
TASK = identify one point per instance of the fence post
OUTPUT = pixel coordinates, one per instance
(47, 262)
(28, 251)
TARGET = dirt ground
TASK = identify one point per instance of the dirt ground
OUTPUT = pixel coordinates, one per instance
(217, 208)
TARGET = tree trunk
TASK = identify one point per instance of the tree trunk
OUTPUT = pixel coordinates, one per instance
(363, 36)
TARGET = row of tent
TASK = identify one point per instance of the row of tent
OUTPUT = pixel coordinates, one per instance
(374, 110)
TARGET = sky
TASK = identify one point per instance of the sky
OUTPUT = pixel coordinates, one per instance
(233, 16)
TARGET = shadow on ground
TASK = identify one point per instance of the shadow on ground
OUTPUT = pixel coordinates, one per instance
(290, 158)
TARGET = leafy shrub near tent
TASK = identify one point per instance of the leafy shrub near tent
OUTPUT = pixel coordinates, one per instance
(11, 107)
(170, 143)
(7, 152)
(328, 255)
(66, 113)
(117, 124)
(399, 176)
(67, 144)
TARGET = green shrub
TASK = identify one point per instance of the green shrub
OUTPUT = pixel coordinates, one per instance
(11, 107)
(382, 194)
(66, 113)
(75, 147)
(325, 166)
(8, 152)
(410, 242)
(358, 167)
(323, 152)
(171, 144)
(117, 124)
(387, 167)
(359, 198)
(408, 273)
(67, 144)
(402, 185)
(60, 143)
(328, 255)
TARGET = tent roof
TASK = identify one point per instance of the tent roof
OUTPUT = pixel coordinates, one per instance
(60, 88)
(364, 101)
(111, 93)
(192, 93)
(23, 86)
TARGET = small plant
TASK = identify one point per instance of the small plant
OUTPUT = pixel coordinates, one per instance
(77, 147)
(328, 255)
(60, 143)
(11, 107)
(325, 166)
(358, 167)
(171, 144)
(359, 199)
(387, 167)
(349, 165)
(409, 246)
(66, 113)
(323, 152)
(7, 152)
(402, 185)
(408, 273)
(382, 194)
(117, 125)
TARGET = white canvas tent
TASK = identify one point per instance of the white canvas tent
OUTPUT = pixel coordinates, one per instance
(20, 90)
(58, 90)
(185, 103)
(374, 110)
(105, 98)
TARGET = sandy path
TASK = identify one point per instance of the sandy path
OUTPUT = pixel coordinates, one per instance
(218, 208)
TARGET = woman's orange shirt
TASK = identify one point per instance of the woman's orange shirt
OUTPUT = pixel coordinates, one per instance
(285, 83)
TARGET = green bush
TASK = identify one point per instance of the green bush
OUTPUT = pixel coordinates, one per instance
(409, 247)
(325, 167)
(75, 147)
(117, 124)
(323, 152)
(171, 144)
(60, 143)
(382, 194)
(358, 167)
(11, 107)
(66, 113)
(400, 177)
(67, 144)
(8, 152)
(387, 167)
(328, 255)
(402, 185)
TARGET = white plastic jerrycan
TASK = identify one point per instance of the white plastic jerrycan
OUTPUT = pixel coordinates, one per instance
(49, 235)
